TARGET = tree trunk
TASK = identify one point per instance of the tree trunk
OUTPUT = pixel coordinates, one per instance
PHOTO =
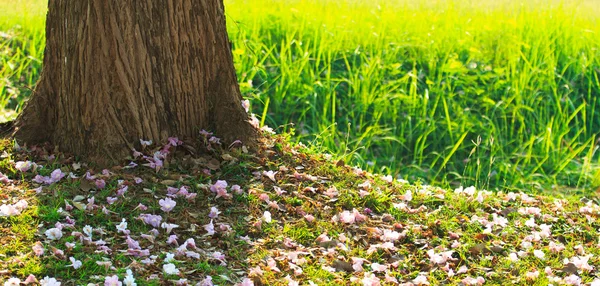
(119, 71)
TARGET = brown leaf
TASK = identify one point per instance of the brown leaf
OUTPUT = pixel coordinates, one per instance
(479, 249)
(168, 182)
(342, 266)
(507, 211)
(570, 268)
(85, 185)
(213, 164)
(329, 243)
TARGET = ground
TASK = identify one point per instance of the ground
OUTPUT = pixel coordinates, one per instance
(283, 215)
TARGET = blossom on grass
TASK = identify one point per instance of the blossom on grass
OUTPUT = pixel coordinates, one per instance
(539, 254)
(100, 184)
(88, 231)
(24, 166)
(168, 226)
(556, 247)
(49, 281)
(581, 262)
(170, 269)
(30, 280)
(267, 217)
(270, 175)
(153, 220)
(53, 233)
(12, 282)
(421, 280)
(112, 281)
(76, 264)
(129, 280)
(214, 212)
(573, 280)
(237, 189)
(13, 209)
(122, 227)
(206, 282)
(220, 184)
(532, 275)
(167, 204)
(210, 228)
(38, 249)
(473, 281)
(309, 218)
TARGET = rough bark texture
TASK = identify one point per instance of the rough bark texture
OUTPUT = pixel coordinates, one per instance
(118, 71)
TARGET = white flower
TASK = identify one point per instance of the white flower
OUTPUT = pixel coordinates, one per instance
(88, 230)
(48, 281)
(129, 280)
(170, 269)
(54, 233)
(421, 280)
(75, 263)
(122, 227)
(539, 254)
(12, 282)
(267, 217)
(170, 257)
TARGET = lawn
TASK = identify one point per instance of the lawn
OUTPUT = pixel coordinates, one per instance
(426, 98)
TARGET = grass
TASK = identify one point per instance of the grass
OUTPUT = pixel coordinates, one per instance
(498, 94)
(299, 218)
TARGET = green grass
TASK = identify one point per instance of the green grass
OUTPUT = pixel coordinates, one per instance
(497, 94)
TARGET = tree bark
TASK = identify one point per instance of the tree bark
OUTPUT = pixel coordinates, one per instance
(118, 71)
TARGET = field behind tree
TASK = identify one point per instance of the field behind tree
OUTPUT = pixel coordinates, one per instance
(497, 94)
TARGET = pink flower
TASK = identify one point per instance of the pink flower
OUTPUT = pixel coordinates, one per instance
(100, 184)
(57, 175)
(222, 193)
(246, 105)
(153, 220)
(309, 218)
(172, 240)
(132, 243)
(24, 166)
(237, 189)
(121, 191)
(270, 175)
(174, 141)
(573, 280)
(331, 192)
(167, 204)
(112, 281)
(30, 279)
(376, 267)
(12, 282)
(473, 281)
(421, 280)
(38, 249)
(371, 280)
(75, 263)
(206, 282)
(214, 212)
(210, 228)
